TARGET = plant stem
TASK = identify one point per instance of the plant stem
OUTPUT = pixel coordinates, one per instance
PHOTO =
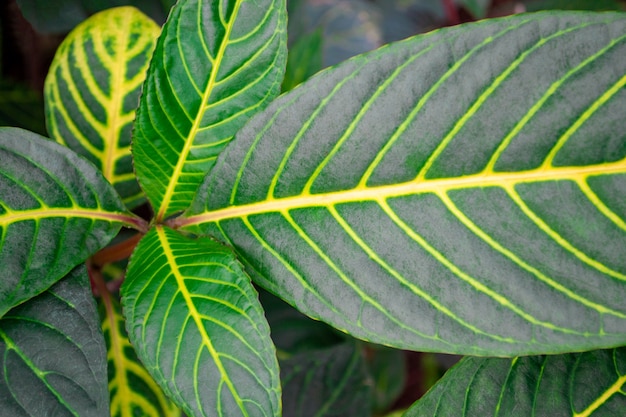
(452, 13)
(116, 252)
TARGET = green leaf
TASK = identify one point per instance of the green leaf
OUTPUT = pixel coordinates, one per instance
(536, 5)
(132, 390)
(478, 8)
(61, 16)
(472, 178)
(92, 91)
(326, 382)
(215, 64)
(577, 384)
(53, 354)
(304, 60)
(196, 322)
(55, 211)
(22, 107)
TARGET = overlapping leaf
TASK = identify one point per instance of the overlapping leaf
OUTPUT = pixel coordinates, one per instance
(52, 354)
(92, 91)
(197, 325)
(21, 106)
(55, 210)
(577, 384)
(461, 191)
(215, 64)
(132, 390)
(326, 382)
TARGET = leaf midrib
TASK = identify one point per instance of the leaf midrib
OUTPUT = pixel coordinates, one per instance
(45, 213)
(378, 193)
(182, 159)
(195, 314)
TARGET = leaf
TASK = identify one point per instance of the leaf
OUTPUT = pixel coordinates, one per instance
(576, 384)
(215, 64)
(303, 60)
(132, 390)
(22, 107)
(92, 91)
(197, 325)
(55, 211)
(472, 178)
(328, 382)
(53, 354)
(60, 16)
(536, 5)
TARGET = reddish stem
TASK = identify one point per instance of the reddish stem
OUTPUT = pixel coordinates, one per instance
(116, 252)
(452, 13)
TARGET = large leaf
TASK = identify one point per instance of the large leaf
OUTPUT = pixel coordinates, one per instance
(132, 389)
(577, 384)
(215, 64)
(55, 211)
(53, 354)
(460, 192)
(326, 382)
(197, 325)
(92, 91)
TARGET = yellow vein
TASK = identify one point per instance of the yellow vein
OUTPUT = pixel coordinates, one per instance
(462, 275)
(412, 287)
(178, 169)
(616, 388)
(599, 204)
(355, 121)
(303, 129)
(560, 239)
(498, 179)
(420, 105)
(196, 316)
(10, 217)
(548, 93)
(522, 264)
(349, 282)
(616, 88)
(115, 106)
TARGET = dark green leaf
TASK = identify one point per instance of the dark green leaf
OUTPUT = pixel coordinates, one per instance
(56, 209)
(324, 383)
(92, 92)
(459, 192)
(60, 16)
(196, 323)
(304, 60)
(53, 354)
(536, 5)
(478, 8)
(22, 107)
(573, 385)
(215, 65)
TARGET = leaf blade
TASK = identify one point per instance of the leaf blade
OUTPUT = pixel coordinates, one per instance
(206, 299)
(215, 65)
(578, 384)
(92, 90)
(63, 319)
(55, 211)
(379, 167)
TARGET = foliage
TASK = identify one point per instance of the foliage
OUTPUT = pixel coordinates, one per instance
(460, 191)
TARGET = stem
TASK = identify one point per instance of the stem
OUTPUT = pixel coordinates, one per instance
(116, 252)
(452, 13)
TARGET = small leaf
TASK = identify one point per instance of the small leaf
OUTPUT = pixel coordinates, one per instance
(53, 354)
(577, 384)
(326, 382)
(196, 322)
(215, 64)
(55, 211)
(92, 91)
(132, 390)
(304, 59)
(478, 8)
(472, 178)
